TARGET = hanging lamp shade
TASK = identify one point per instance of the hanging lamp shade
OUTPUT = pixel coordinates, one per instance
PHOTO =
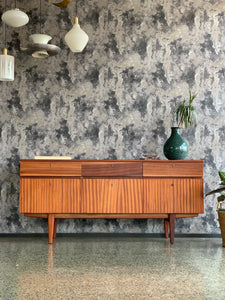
(62, 3)
(41, 39)
(15, 18)
(6, 66)
(76, 39)
(39, 47)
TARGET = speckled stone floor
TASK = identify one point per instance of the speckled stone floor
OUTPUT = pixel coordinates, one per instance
(112, 268)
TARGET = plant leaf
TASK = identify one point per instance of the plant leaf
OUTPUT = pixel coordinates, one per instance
(185, 113)
(216, 191)
(222, 175)
(221, 198)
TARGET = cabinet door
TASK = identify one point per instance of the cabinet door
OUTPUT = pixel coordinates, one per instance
(173, 195)
(112, 196)
(71, 195)
(49, 195)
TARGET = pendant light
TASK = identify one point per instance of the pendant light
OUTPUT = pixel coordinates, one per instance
(6, 62)
(61, 4)
(39, 47)
(15, 17)
(76, 39)
(6, 66)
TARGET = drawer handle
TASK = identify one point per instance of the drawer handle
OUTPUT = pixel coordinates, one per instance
(173, 165)
(172, 184)
(50, 165)
(112, 184)
(112, 166)
(50, 184)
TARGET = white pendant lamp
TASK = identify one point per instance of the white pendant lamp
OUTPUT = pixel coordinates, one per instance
(6, 67)
(42, 40)
(39, 47)
(15, 18)
(76, 39)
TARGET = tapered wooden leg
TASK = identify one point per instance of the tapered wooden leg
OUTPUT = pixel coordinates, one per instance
(166, 227)
(172, 227)
(51, 218)
(55, 229)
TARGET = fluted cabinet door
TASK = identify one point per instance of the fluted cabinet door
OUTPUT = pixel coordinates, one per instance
(49, 195)
(173, 195)
(71, 196)
(112, 196)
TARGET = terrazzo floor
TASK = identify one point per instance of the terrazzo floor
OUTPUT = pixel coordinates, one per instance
(112, 268)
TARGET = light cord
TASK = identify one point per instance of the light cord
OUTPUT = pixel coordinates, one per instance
(40, 17)
(5, 28)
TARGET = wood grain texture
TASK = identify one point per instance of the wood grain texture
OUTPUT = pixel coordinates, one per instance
(112, 196)
(111, 189)
(173, 195)
(114, 169)
(111, 216)
(50, 168)
(172, 168)
(49, 195)
(51, 221)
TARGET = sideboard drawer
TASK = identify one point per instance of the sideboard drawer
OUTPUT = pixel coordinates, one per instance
(50, 168)
(112, 169)
(173, 169)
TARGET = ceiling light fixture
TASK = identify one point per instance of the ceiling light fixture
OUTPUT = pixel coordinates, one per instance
(6, 62)
(15, 17)
(6, 66)
(62, 3)
(39, 47)
(76, 39)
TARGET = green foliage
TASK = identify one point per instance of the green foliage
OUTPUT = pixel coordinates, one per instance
(186, 114)
(220, 189)
(222, 177)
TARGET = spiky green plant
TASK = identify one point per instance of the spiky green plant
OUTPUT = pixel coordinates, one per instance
(219, 189)
(186, 114)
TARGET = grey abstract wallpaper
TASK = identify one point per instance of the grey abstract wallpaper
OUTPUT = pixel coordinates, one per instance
(115, 100)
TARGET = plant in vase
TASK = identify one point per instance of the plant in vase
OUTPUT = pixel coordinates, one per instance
(221, 199)
(176, 147)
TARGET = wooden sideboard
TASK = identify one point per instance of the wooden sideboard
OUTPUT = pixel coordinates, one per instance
(111, 189)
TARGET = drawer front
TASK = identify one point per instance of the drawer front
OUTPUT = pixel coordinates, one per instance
(173, 169)
(50, 168)
(113, 169)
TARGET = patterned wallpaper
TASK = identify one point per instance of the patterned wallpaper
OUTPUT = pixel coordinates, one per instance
(116, 99)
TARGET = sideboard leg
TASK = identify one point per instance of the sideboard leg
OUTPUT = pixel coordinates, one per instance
(55, 229)
(166, 227)
(51, 219)
(172, 227)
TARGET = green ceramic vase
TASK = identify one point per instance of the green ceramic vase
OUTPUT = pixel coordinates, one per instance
(175, 147)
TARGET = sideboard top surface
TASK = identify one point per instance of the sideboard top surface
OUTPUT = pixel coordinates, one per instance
(114, 160)
(111, 168)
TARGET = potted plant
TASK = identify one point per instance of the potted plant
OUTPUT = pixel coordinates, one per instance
(175, 147)
(221, 198)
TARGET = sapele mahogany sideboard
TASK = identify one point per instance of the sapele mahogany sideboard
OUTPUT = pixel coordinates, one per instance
(136, 189)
